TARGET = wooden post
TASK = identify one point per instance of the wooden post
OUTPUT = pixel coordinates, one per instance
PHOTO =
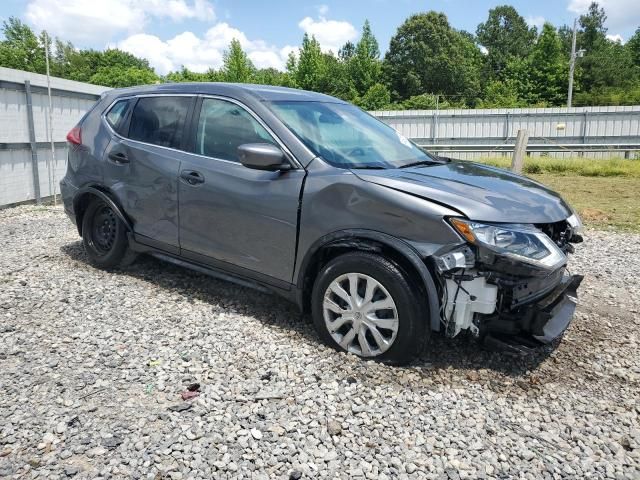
(519, 152)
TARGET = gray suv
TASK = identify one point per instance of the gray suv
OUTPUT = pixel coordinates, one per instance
(309, 197)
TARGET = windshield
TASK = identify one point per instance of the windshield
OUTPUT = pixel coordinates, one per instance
(347, 137)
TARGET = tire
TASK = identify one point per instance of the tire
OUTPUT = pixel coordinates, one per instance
(402, 325)
(104, 236)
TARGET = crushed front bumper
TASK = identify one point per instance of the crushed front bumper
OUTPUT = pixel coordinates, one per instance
(554, 313)
(537, 323)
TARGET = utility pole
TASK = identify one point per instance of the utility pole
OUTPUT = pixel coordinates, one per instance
(572, 63)
(52, 163)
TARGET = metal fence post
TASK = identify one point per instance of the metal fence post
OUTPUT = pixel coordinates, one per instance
(520, 151)
(32, 142)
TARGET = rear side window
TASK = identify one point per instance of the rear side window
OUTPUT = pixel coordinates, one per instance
(159, 120)
(117, 114)
(224, 126)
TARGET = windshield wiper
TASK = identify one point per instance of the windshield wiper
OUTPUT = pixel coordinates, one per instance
(422, 162)
(368, 167)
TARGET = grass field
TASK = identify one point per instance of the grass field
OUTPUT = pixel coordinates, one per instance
(586, 167)
(606, 193)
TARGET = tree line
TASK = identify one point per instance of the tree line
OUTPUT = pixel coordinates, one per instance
(429, 64)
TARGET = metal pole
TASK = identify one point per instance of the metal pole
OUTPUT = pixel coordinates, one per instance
(52, 164)
(572, 63)
(435, 132)
(32, 142)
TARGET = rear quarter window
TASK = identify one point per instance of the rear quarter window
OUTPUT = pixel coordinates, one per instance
(117, 114)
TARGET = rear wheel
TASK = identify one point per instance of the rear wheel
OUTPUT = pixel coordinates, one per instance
(366, 305)
(104, 235)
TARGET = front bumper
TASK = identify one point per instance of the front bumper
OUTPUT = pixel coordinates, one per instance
(536, 323)
(555, 312)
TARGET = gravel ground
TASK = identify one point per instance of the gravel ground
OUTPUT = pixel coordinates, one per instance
(92, 366)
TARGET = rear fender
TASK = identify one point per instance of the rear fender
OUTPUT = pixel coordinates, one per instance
(93, 191)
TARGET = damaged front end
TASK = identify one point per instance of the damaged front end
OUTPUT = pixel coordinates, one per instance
(509, 285)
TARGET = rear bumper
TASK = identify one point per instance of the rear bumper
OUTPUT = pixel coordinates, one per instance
(68, 193)
(536, 323)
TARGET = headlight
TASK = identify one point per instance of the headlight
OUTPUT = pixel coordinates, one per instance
(575, 223)
(522, 242)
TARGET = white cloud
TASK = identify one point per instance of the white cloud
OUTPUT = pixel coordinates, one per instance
(535, 21)
(331, 34)
(616, 38)
(201, 53)
(620, 13)
(96, 20)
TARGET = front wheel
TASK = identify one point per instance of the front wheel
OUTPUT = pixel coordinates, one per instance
(366, 305)
(104, 236)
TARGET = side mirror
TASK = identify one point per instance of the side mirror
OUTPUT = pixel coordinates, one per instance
(262, 156)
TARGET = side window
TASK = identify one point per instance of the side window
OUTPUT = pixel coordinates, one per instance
(224, 126)
(115, 117)
(159, 120)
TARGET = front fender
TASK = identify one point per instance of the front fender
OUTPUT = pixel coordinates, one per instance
(355, 238)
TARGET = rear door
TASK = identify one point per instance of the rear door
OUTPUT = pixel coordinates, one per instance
(233, 217)
(142, 165)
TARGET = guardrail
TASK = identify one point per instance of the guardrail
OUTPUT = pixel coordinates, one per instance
(535, 148)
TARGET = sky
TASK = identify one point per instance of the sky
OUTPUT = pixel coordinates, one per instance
(195, 33)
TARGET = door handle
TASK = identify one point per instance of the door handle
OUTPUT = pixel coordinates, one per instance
(192, 177)
(118, 157)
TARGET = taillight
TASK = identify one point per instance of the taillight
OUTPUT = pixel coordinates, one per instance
(75, 136)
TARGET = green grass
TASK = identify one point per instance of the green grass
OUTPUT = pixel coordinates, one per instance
(606, 193)
(586, 167)
(604, 203)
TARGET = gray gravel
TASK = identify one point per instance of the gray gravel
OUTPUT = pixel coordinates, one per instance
(92, 366)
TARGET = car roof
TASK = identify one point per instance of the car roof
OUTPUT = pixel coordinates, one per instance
(240, 91)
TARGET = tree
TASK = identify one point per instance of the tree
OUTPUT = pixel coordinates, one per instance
(347, 51)
(186, 75)
(549, 68)
(425, 101)
(506, 36)
(236, 65)
(269, 76)
(606, 64)
(593, 33)
(633, 46)
(120, 76)
(309, 67)
(426, 55)
(363, 66)
(501, 94)
(21, 48)
(377, 97)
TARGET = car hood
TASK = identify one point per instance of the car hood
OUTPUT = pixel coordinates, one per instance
(480, 192)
